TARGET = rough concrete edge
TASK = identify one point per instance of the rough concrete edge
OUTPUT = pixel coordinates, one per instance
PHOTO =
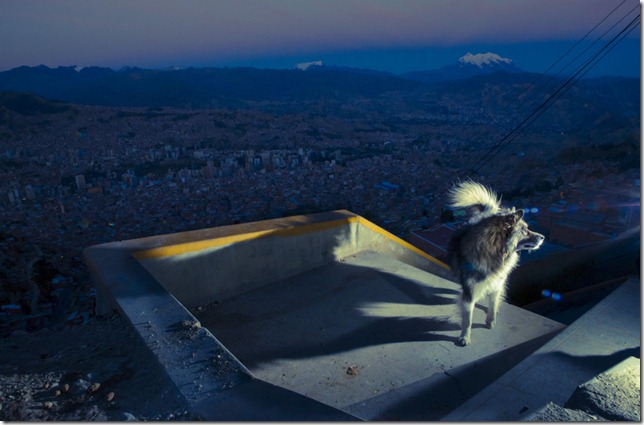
(259, 400)
(580, 408)
(504, 382)
(161, 321)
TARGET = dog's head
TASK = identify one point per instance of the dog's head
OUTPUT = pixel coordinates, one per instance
(520, 237)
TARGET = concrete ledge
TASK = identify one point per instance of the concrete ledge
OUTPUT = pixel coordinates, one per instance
(193, 359)
(154, 281)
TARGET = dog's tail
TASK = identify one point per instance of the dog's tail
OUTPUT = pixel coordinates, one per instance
(480, 201)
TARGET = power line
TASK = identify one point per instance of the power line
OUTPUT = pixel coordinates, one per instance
(558, 94)
(580, 72)
(484, 158)
(536, 113)
(599, 38)
(533, 84)
(578, 43)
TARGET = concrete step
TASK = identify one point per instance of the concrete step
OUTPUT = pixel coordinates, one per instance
(613, 395)
(604, 337)
(373, 337)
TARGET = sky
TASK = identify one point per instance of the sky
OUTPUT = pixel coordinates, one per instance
(390, 35)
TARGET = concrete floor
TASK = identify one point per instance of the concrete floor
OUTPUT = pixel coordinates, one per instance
(374, 337)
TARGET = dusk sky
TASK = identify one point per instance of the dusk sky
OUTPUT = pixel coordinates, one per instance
(390, 35)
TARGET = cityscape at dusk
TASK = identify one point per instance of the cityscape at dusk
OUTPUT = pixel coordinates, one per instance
(131, 119)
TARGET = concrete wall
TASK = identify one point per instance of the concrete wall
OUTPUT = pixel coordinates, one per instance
(243, 258)
(214, 274)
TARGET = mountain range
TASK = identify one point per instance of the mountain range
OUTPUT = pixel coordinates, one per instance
(194, 87)
(198, 88)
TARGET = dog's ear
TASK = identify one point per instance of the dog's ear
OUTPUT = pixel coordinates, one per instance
(519, 214)
(510, 220)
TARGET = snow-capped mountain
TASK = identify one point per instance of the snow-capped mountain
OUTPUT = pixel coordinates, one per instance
(467, 66)
(306, 65)
(484, 59)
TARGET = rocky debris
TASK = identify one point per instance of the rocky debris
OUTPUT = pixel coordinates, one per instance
(352, 370)
(552, 412)
(614, 395)
(98, 371)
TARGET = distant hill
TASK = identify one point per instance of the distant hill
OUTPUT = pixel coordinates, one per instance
(320, 66)
(467, 66)
(28, 104)
(196, 87)
(497, 90)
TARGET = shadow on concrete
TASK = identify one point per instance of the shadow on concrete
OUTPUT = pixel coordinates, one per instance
(326, 311)
(600, 363)
(433, 398)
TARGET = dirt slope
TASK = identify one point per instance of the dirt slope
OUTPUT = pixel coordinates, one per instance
(98, 371)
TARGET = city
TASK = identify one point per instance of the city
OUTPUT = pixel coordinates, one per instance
(163, 164)
(82, 175)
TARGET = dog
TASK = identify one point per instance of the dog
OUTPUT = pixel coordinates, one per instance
(483, 251)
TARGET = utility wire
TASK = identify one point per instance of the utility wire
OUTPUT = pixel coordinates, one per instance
(569, 51)
(599, 38)
(533, 85)
(560, 92)
(536, 113)
(502, 140)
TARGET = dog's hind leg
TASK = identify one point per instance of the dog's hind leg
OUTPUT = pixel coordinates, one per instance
(493, 304)
(467, 311)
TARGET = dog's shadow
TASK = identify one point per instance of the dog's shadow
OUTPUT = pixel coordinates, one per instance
(399, 310)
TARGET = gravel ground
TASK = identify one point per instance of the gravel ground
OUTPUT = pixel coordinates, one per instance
(98, 371)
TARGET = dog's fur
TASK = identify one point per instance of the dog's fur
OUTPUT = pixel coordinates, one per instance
(484, 251)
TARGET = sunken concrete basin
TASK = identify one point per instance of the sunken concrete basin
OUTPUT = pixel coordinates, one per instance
(318, 317)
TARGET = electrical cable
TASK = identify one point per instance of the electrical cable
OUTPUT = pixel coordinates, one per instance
(501, 141)
(557, 95)
(580, 72)
(533, 84)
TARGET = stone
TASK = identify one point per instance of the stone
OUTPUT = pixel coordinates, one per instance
(554, 413)
(614, 394)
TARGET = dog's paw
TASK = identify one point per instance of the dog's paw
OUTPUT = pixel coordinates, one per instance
(464, 340)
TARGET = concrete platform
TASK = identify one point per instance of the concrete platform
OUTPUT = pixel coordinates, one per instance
(373, 337)
(319, 317)
(602, 338)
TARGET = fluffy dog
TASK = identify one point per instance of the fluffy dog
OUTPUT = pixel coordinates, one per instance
(484, 251)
